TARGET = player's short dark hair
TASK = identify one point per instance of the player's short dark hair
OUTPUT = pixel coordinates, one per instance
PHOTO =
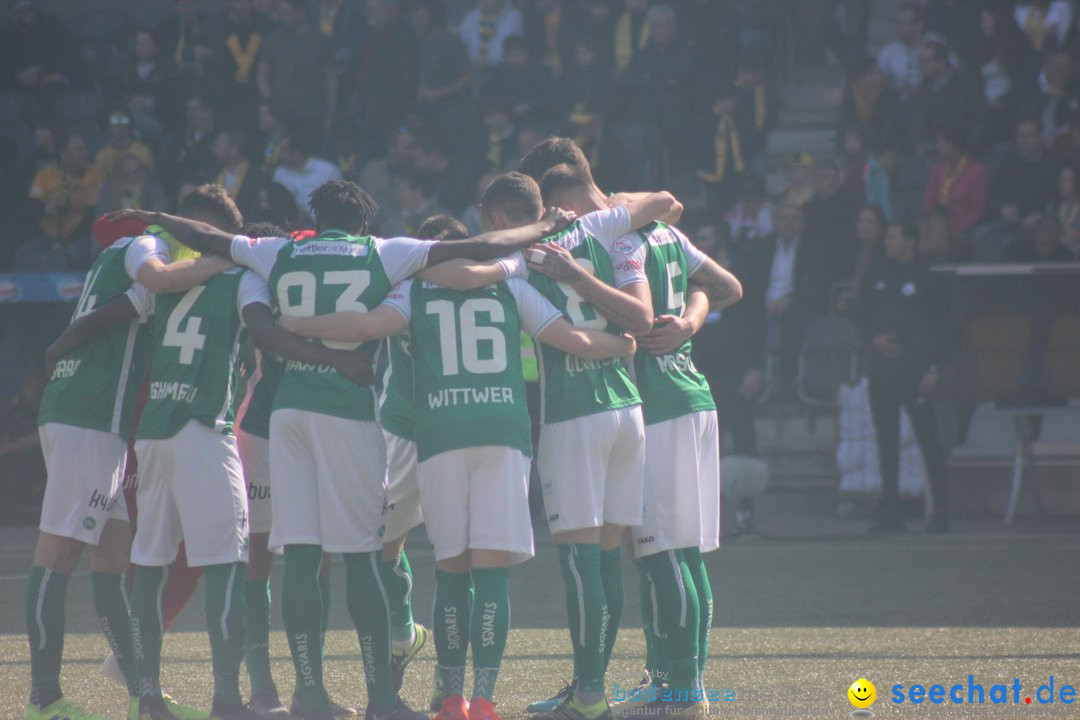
(342, 204)
(261, 229)
(442, 227)
(550, 152)
(562, 179)
(515, 195)
(214, 201)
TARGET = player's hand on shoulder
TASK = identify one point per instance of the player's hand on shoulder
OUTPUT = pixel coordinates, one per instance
(668, 334)
(355, 366)
(554, 261)
(558, 219)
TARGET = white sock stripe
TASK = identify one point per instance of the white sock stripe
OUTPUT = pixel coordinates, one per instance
(679, 584)
(228, 602)
(375, 560)
(655, 608)
(38, 608)
(580, 594)
(124, 593)
(161, 599)
(406, 578)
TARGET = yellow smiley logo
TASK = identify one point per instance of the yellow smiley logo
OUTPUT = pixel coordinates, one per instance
(862, 693)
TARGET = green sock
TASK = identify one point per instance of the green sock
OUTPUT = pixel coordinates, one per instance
(696, 564)
(257, 634)
(656, 664)
(46, 591)
(490, 624)
(324, 597)
(611, 573)
(677, 613)
(398, 577)
(365, 595)
(112, 613)
(453, 600)
(302, 611)
(586, 614)
(225, 608)
(147, 627)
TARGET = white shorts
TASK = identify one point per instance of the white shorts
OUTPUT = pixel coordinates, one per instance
(191, 488)
(592, 469)
(402, 508)
(682, 486)
(477, 499)
(329, 480)
(85, 481)
(255, 457)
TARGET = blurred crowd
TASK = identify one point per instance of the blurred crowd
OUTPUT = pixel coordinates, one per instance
(964, 131)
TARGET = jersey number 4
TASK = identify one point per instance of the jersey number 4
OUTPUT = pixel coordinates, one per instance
(470, 335)
(187, 338)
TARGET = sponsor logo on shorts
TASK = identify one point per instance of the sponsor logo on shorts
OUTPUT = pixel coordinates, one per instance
(646, 540)
(258, 492)
(101, 502)
(89, 523)
(553, 518)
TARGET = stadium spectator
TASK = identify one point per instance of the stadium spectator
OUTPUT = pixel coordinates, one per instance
(719, 149)
(121, 142)
(241, 178)
(899, 60)
(752, 217)
(1021, 180)
(1005, 62)
(900, 313)
(296, 68)
(379, 177)
(552, 28)
(630, 33)
(864, 249)
(145, 89)
(957, 187)
(784, 274)
(446, 77)
(300, 171)
(131, 184)
(956, 22)
(946, 96)
(188, 41)
(67, 192)
(272, 130)
(386, 76)
(712, 30)
(416, 204)
(1044, 22)
(237, 58)
(592, 132)
(585, 85)
(870, 105)
(854, 156)
(486, 28)
(1066, 207)
(1054, 96)
(522, 83)
(37, 52)
(798, 185)
(278, 206)
(730, 349)
(500, 139)
(755, 108)
(190, 159)
(832, 208)
(12, 182)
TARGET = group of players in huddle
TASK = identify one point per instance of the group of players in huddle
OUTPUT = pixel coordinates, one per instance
(610, 292)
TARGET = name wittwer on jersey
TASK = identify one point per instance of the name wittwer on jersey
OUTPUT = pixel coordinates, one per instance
(470, 396)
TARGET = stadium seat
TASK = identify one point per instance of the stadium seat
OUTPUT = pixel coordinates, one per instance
(991, 438)
(1062, 364)
(1059, 438)
(829, 357)
(1000, 345)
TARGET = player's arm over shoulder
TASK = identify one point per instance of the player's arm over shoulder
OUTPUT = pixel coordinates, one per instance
(147, 261)
(135, 304)
(391, 317)
(722, 287)
(546, 324)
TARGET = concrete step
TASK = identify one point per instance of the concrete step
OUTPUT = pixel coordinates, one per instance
(814, 141)
(802, 119)
(813, 97)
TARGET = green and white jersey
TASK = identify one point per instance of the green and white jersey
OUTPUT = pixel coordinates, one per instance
(94, 386)
(571, 386)
(468, 387)
(396, 414)
(670, 385)
(328, 273)
(196, 348)
(256, 417)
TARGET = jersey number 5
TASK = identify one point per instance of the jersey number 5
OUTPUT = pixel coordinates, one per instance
(470, 336)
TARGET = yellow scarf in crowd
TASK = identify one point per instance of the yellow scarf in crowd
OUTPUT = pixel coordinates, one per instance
(624, 41)
(243, 57)
(1033, 26)
(238, 180)
(949, 178)
(328, 12)
(726, 134)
